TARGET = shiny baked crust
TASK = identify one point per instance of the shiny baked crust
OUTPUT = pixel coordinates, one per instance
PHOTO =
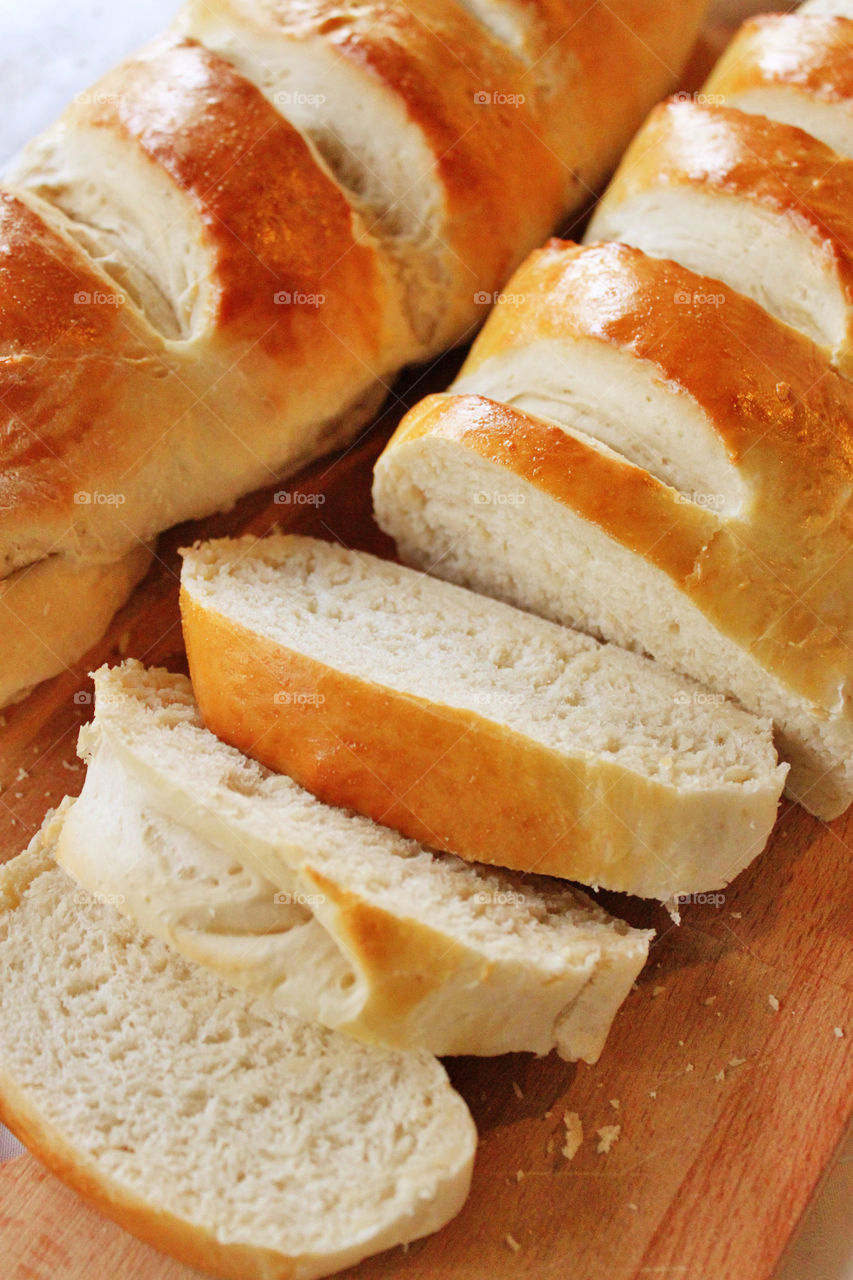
(169, 421)
(807, 53)
(720, 153)
(774, 574)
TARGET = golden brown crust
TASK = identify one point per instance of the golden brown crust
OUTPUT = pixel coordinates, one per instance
(593, 113)
(809, 52)
(404, 961)
(785, 420)
(490, 156)
(95, 398)
(242, 166)
(65, 364)
(721, 151)
(52, 612)
(464, 784)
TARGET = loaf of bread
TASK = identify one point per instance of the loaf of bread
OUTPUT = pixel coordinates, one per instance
(469, 725)
(735, 195)
(215, 262)
(331, 916)
(793, 67)
(233, 1136)
(670, 469)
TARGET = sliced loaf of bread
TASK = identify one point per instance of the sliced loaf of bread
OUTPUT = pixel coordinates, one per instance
(650, 456)
(470, 725)
(239, 1139)
(333, 917)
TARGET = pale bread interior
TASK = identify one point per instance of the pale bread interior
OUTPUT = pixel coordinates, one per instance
(177, 1093)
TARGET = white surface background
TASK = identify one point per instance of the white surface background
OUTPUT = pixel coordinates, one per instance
(52, 49)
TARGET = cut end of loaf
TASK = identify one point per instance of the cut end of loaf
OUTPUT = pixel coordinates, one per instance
(240, 869)
(391, 692)
(274, 1148)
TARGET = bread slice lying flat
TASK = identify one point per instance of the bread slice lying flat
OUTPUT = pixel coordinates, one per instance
(472, 726)
(793, 67)
(718, 538)
(763, 206)
(241, 1140)
(330, 915)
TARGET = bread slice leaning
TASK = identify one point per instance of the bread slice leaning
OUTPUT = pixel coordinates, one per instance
(469, 725)
(235, 1137)
(671, 471)
(331, 916)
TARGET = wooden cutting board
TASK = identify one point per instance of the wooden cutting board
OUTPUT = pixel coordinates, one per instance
(729, 1108)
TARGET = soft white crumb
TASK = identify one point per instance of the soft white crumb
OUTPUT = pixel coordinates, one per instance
(736, 1062)
(615, 1104)
(689, 1067)
(517, 1090)
(21, 774)
(632, 1206)
(736, 915)
(657, 991)
(608, 1135)
(838, 1032)
(653, 1093)
(512, 1242)
(720, 1076)
(708, 1001)
(773, 1001)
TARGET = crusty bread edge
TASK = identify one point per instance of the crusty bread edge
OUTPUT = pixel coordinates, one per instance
(409, 967)
(80, 602)
(237, 674)
(192, 1244)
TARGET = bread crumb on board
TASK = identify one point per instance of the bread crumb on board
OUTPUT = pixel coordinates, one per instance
(608, 1135)
(838, 1032)
(512, 1243)
(773, 1001)
(517, 1090)
(708, 1001)
(615, 1104)
(657, 991)
(574, 1134)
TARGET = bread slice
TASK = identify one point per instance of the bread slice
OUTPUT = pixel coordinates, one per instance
(793, 67)
(235, 1137)
(733, 195)
(671, 471)
(328, 914)
(469, 725)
